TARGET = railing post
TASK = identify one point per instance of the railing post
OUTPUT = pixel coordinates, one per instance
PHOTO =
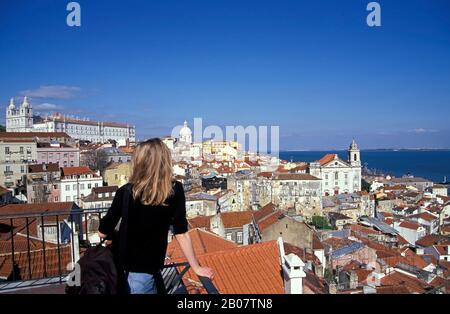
(12, 250)
(44, 255)
(28, 248)
(59, 249)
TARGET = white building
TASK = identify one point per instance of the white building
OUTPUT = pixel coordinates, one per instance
(19, 119)
(22, 120)
(185, 134)
(339, 176)
(410, 231)
(78, 182)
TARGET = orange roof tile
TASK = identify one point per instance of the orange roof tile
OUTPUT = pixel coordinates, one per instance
(12, 209)
(413, 284)
(200, 222)
(236, 219)
(409, 225)
(250, 269)
(202, 241)
(69, 171)
(327, 158)
(295, 176)
(270, 220)
(264, 211)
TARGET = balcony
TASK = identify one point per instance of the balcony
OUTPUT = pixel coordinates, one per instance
(8, 173)
(39, 249)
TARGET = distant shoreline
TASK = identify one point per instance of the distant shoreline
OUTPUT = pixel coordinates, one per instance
(372, 150)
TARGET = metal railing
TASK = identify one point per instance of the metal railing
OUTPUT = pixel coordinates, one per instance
(39, 249)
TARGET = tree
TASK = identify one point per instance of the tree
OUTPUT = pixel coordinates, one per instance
(320, 222)
(365, 186)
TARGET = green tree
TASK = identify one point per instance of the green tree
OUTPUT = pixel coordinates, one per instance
(320, 222)
(365, 186)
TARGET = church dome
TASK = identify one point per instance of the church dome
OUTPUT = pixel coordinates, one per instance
(185, 131)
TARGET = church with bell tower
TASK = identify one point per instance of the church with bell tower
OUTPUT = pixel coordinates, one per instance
(339, 176)
(19, 119)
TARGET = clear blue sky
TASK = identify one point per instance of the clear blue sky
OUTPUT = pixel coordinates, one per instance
(312, 67)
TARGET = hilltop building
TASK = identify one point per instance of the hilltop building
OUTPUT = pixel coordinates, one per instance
(21, 119)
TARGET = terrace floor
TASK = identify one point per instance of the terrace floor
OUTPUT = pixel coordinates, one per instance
(47, 289)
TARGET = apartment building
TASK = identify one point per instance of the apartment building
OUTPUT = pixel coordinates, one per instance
(59, 153)
(15, 156)
(77, 182)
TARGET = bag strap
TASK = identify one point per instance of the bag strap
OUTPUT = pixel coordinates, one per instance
(123, 234)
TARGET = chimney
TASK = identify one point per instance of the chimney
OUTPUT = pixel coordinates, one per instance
(292, 268)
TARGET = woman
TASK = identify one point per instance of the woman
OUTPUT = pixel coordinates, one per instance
(156, 203)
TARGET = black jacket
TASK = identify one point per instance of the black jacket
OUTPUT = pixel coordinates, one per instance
(147, 228)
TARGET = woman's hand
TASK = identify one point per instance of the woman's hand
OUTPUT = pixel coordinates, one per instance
(204, 272)
(102, 236)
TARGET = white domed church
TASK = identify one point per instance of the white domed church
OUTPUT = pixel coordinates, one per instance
(185, 135)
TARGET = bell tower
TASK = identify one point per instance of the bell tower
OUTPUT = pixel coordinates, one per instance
(354, 157)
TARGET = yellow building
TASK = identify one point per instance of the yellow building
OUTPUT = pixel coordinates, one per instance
(117, 174)
(214, 147)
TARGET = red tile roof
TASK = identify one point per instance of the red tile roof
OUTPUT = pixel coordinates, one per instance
(12, 209)
(236, 219)
(316, 243)
(270, 220)
(409, 225)
(37, 263)
(40, 168)
(70, 171)
(295, 176)
(425, 216)
(264, 211)
(411, 283)
(301, 252)
(392, 290)
(5, 135)
(200, 222)
(265, 174)
(337, 243)
(250, 269)
(105, 189)
(432, 239)
(202, 241)
(326, 159)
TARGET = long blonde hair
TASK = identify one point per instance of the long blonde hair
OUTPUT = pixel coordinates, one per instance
(152, 172)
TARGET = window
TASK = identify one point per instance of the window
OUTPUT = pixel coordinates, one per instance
(22, 169)
(67, 187)
(336, 175)
(228, 236)
(82, 186)
(67, 198)
(239, 237)
(7, 150)
(89, 186)
(21, 149)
